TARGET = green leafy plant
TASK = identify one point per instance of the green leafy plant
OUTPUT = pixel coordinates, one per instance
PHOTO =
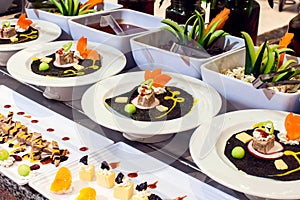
(74, 7)
(265, 60)
(197, 31)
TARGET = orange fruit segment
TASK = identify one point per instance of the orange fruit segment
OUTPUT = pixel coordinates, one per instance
(87, 193)
(62, 181)
(292, 126)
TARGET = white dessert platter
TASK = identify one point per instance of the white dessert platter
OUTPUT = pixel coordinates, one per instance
(94, 106)
(171, 183)
(47, 32)
(60, 20)
(66, 88)
(207, 146)
(78, 136)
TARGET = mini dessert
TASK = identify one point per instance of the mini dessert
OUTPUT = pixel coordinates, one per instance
(87, 193)
(123, 188)
(86, 170)
(152, 100)
(62, 181)
(21, 32)
(105, 176)
(142, 192)
(66, 62)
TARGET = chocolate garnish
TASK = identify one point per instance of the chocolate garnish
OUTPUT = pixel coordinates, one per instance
(84, 160)
(105, 165)
(119, 178)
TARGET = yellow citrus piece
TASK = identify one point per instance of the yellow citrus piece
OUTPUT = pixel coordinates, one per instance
(62, 181)
(87, 193)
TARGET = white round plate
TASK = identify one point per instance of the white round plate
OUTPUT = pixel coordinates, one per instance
(47, 32)
(19, 65)
(207, 146)
(94, 106)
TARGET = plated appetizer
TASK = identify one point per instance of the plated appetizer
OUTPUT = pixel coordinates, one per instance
(86, 170)
(153, 100)
(267, 152)
(65, 62)
(22, 31)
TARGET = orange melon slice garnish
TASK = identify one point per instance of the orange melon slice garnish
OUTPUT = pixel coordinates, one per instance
(23, 22)
(87, 193)
(159, 79)
(62, 181)
(292, 126)
(84, 52)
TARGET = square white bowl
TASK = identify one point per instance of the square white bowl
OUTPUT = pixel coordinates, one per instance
(148, 54)
(242, 95)
(79, 28)
(61, 20)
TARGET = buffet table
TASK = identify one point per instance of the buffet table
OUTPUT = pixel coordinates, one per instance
(174, 151)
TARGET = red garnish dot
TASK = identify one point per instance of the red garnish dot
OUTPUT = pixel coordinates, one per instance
(17, 158)
(7, 106)
(153, 185)
(262, 133)
(27, 116)
(34, 121)
(65, 138)
(132, 175)
(34, 167)
(46, 160)
(114, 165)
(180, 198)
(50, 129)
(20, 113)
(83, 149)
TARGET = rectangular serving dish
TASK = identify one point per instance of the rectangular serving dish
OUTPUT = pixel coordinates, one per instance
(53, 126)
(171, 183)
